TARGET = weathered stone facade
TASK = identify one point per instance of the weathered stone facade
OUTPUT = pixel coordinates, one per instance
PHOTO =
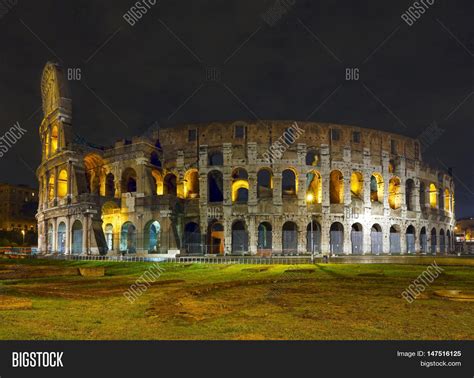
(239, 187)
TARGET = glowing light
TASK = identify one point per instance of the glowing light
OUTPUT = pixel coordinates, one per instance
(309, 197)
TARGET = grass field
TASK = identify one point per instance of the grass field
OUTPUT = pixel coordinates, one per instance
(194, 301)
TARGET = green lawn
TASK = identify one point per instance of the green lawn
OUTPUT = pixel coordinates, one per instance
(194, 301)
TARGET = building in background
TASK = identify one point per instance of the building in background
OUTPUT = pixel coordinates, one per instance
(18, 206)
(464, 235)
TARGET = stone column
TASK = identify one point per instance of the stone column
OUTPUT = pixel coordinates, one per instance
(386, 179)
(367, 240)
(67, 247)
(227, 237)
(277, 181)
(55, 235)
(252, 235)
(367, 174)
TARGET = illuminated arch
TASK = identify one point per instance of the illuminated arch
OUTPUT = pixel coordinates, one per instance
(158, 180)
(191, 184)
(433, 196)
(447, 200)
(94, 165)
(54, 139)
(376, 187)
(357, 185)
(240, 185)
(336, 187)
(394, 195)
(51, 185)
(62, 184)
(314, 187)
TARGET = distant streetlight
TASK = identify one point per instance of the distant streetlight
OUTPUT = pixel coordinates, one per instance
(23, 234)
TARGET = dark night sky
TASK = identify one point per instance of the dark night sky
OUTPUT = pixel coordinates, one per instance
(154, 71)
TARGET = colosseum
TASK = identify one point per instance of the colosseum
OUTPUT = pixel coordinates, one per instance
(255, 188)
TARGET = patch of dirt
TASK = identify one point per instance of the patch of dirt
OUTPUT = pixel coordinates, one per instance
(84, 288)
(300, 270)
(371, 275)
(24, 271)
(14, 303)
(256, 270)
(455, 295)
(92, 272)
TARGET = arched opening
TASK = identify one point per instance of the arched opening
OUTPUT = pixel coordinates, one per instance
(264, 236)
(422, 195)
(216, 238)
(191, 184)
(336, 187)
(313, 237)
(93, 170)
(158, 182)
(447, 201)
(434, 241)
(77, 237)
(152, 239)
(239, 238)
(240, 186)
(155, 160)
(215, 186)
(169, 185)
(62, 237)
(62, 184)
(410, 239)
(129, 181)
(376, 239)
(128, 238)
(216, 158)
(312, 158)
(442, 242)
(336, 238)
(290, 238)
(357, 239)
(192, 238)
(51, 183)
(314, 187)
(394, 195)
(376, 188)
(54, 139)
(395, 245)
(410, 195)
(423, 241)
(433, 196)
(109, 236)
(110, 185)
(265, 183)
(288, 183)
(357, 185)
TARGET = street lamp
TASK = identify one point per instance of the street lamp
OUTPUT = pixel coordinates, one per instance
(23, 234)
